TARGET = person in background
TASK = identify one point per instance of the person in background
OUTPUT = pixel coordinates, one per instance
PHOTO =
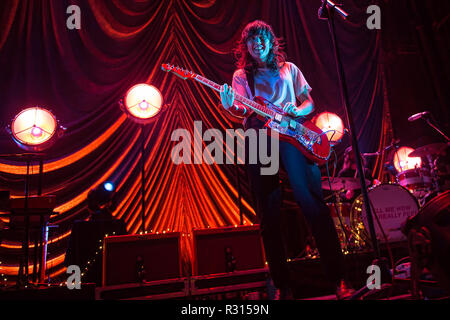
(349, 170)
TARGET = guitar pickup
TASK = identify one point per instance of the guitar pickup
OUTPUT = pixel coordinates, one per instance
(278, 117)
(292, 124)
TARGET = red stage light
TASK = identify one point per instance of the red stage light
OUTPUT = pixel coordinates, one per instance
(33, 129)
(142, 102)
(36, 132)
(332, 124)
(402, 162)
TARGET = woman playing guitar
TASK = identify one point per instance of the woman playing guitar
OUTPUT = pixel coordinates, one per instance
(263, 71)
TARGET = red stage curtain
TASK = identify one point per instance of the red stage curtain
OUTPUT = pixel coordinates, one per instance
(81, 75)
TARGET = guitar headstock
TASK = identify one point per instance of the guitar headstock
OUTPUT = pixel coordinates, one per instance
(180, 72)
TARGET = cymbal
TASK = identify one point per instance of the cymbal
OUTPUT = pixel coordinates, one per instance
(342, 183)
(429, 149)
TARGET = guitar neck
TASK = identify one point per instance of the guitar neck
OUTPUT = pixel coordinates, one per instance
(258, 108)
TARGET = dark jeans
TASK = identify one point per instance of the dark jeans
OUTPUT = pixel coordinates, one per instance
(305, 179)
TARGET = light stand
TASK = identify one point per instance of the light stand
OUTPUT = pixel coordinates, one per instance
(38, 246)
(326, 12)
(143, 177)
(33, 129)
(143, 104)
(238, 179)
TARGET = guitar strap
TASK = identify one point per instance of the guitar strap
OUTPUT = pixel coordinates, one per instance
(250, 81)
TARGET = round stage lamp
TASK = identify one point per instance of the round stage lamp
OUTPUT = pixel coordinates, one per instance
(402, 162)
(332, 124)
(34, 129)
(142, 102)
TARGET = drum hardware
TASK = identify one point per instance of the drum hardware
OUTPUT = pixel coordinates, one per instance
(423, 182)
(343, 227)
(418, 181)
(335, 208)
(434, 172)
(393, 144)
(350, 237)
(429, 149)
(340, 212)
(342, 183)
(429, 243)
(426, 115)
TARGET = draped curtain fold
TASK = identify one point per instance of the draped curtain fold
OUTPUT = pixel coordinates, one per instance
(81, 75)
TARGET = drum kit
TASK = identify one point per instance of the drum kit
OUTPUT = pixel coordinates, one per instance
(391, 203)
(423, 182)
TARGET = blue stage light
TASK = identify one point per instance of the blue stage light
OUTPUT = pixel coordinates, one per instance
(108, 186)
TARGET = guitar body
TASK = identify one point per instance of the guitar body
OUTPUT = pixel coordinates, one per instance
(301, 133)
(320, 151)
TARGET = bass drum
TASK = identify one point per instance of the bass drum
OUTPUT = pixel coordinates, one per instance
(392, 204)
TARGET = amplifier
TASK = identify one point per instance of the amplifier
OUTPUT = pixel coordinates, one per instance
(141, 258)
(34, 202)
(227, 249)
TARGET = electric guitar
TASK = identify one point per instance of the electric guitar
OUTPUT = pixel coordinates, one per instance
(301, 133)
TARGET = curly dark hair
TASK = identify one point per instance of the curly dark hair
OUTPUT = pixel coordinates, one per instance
(276, 57)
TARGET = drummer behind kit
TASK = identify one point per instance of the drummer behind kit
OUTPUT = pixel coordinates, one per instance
(424, 182)
(392, 204)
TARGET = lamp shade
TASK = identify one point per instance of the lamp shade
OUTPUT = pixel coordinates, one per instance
(332, 124)
(403, 162)
(34, 128)
(142, 102)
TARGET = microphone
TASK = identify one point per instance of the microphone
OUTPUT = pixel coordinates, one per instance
(417, 116)
(322, 13)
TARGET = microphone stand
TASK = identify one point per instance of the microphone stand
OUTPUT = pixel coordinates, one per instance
(328, 14)
(437, 129)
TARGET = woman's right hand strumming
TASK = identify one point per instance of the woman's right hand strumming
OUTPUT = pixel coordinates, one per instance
(227, 96)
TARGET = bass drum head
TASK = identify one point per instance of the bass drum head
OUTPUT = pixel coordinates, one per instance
(392, 204)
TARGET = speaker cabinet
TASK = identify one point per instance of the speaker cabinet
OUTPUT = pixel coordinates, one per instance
(228, 249)
(141, 258)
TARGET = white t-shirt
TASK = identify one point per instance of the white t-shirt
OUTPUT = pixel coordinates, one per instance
(279, 89)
